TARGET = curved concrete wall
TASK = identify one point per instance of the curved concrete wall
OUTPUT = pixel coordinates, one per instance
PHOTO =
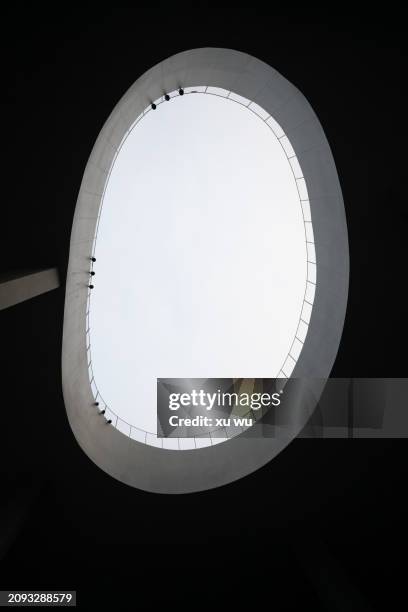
(168, 471)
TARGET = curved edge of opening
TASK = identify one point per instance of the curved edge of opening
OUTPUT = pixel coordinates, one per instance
(148, 467)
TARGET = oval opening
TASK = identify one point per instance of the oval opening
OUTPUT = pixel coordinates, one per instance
(205, 256)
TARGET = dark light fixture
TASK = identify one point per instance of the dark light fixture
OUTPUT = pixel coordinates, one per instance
(181, 91)
(91, 286)
(109, 421)
(92, 273)
(153, 106)
(96, 404)
(93, 258)
(166, 97)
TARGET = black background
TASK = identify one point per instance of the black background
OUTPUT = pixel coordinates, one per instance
(324, 525)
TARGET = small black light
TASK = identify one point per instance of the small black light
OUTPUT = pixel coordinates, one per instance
(92, 273)
(91, 286)
(93, 258)
(153, 106)
(167, 97)
(109, 422)
(102, 411)
(96, 404)
(181, 91)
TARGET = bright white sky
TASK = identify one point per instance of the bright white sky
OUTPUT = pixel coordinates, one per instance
(201, 255)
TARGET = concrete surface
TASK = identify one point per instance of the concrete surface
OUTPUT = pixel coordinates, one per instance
(167, 471)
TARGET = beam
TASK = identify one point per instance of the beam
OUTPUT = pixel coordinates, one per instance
(24, 285)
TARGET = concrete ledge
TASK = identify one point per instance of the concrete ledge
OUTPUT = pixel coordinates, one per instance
(167, 471)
